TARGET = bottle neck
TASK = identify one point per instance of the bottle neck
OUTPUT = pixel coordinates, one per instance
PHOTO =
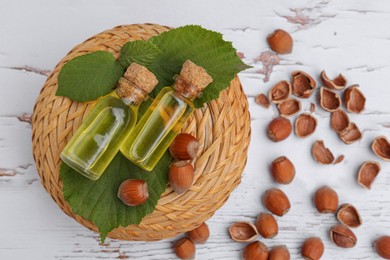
(185, 89)
(133, 96)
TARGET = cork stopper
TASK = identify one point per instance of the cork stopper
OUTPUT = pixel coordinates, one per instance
(195, 77)
(136, 83)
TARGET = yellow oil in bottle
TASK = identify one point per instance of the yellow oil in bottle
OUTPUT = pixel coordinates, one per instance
(157, 128)
(100, 136)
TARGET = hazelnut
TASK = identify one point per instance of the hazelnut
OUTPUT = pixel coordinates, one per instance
(279, 253)
(255, 251)
(279, 129)
(338, 82)
(184, 248)
(326, 200)
(262, 100)
(349, 216)
(382, 246)
(305, 125)
(276, 201)
(133, 192)
(283, 170)
(280, 41)
(181, 176)
(267, 225)
(243, 231)
(321, 154)
(381, 147)
(200, 234)
(339, 120)
(303, 85)
(280, 91)
(367, 173)
(312, 248)
(342, 236)
(184, 147)
(289, 107)
(354, 100)
(330, 101)
(350, 134)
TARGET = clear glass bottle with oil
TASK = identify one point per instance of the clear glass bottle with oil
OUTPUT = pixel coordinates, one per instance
(98, 139)
(165, 117)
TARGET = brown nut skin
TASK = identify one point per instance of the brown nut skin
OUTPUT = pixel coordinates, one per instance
(280, 41)
(181, 176)
(382, 247)
(184, 248)
(279, 253)
(255, 251)
(326, 200)
(266, 225)
(243, 231)
(342, 236)
(276, 201)
(200, 234)
(283, 170)
(133, 192)
(349, 216)
(184, 147)
(279, 129)
(312, 248)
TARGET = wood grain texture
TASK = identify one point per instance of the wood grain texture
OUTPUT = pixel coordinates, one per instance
(339, 36)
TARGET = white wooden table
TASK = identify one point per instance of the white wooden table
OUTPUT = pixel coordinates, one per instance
(349, 36)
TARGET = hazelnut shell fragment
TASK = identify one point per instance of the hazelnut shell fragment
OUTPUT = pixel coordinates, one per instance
(289, 107)
(339, 159)
(280, 92)
(283, 170)
(326, 200)
(351, 134)
(321, 154)
(339, 120)
(312, 248)
(305, 125)
(349, 215)
(262, 100)
(342, 236)
(303, 85)
(279, 253)
(200, 234)
(279, 129)
(312, 107)
(381, 147)
(338, 82)
(382, 246)
(184, 147)
(276, 201)
(280, 41)
(184, 248)
(329, 100)
(354, 100)
(243, 231)
(367, 173)
(266, 225)
(255, 251)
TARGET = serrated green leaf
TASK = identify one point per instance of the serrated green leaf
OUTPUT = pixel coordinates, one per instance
(205, 48)
(89, 76)
(141, 52)
(97, 201)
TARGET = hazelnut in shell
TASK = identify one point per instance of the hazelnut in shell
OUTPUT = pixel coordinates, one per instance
(200, 234)
(279, 129)
(181, 176)
(184, 147)
(184, 248)
(283, 170)
(279, 253)
(382, 247)
(276, 201)
(280, 41)
(266, 225)
(133, 192)
(326, 200)
(312, 248)
(255, 251)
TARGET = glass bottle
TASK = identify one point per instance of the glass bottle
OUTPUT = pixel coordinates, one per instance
(98, 139)
(165, 117)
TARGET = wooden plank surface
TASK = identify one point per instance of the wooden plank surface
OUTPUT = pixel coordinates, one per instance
(349, 37)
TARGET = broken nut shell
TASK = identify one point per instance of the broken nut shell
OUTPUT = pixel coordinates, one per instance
(381, 147)
(351, 134)
(338, 82)
(243, 231)
(279, 129)
(339, 120)
(329, 100)
(342, 236)
(289, 107)
(349, 216)
(262, 100)
(367, 173)
(305, 125)
(321, 154)
(276, 201)
(280, 41)
(354, 100)
(280, 92)
(326, 200)
(303, 85)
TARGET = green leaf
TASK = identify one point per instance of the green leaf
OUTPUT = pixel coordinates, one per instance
(89, 76)
(205, 48)
(141, 52)
(97, 201)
